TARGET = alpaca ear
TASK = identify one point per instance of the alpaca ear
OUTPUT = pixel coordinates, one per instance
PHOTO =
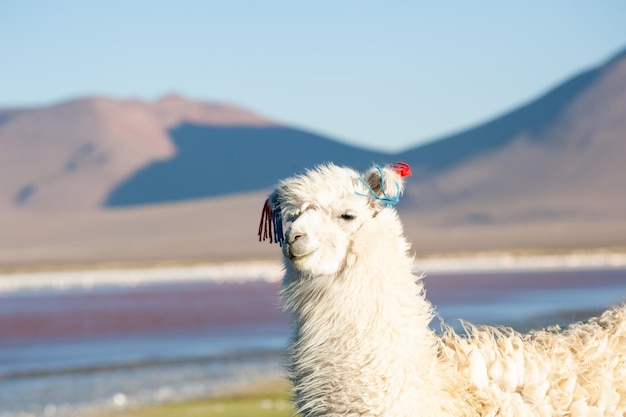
(387, 182)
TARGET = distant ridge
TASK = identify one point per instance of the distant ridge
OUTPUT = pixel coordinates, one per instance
(531, 120)
(173, 110)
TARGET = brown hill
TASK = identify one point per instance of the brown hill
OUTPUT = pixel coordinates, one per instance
(71, 155)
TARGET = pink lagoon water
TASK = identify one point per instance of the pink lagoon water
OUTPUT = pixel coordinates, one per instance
(67, 351)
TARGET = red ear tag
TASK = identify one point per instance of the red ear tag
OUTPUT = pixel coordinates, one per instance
(402, 168)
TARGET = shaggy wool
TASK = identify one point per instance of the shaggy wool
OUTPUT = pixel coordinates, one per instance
(361, 342)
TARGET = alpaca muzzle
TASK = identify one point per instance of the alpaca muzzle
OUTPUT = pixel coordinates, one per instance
(298, 245)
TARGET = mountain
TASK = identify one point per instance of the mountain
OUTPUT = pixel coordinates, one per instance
(572, 140)
(540, 158)
(80, 178)
(72, 155)
(530, 121)
(556, 162)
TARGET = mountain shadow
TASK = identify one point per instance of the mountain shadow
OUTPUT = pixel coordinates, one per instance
(214, 160)
(5, 117)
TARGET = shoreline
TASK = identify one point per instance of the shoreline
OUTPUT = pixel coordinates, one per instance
(610, 258)
(132, 275)
(429, 257)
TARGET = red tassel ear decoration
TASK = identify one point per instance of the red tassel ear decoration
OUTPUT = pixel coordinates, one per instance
(271, 219)
(402, 168)
(265, 227)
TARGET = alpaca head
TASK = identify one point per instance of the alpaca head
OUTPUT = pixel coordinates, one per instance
(328, 211)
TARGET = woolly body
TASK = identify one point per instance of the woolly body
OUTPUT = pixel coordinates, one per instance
(362, 346)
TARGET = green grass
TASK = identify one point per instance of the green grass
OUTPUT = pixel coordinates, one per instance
(266, 400)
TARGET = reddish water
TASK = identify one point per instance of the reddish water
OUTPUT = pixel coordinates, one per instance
(144, 309)
(75, 350)
(179, 307)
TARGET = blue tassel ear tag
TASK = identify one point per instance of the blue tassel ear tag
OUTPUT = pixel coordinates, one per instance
(402, 169)
(384, 198)
(271, 226)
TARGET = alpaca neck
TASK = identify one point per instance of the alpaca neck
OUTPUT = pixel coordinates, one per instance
(360, 336)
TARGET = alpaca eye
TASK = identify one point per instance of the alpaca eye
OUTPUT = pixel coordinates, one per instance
(292, 217)
(348, 216)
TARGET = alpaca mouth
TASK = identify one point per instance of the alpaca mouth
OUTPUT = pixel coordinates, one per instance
(297, 256)
(294, 259)
(294, 254)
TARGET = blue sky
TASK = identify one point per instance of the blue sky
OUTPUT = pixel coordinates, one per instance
(385, 75)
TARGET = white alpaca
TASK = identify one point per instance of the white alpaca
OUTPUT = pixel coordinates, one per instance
(362, 346)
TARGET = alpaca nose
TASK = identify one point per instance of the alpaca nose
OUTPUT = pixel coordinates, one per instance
(293, 236)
